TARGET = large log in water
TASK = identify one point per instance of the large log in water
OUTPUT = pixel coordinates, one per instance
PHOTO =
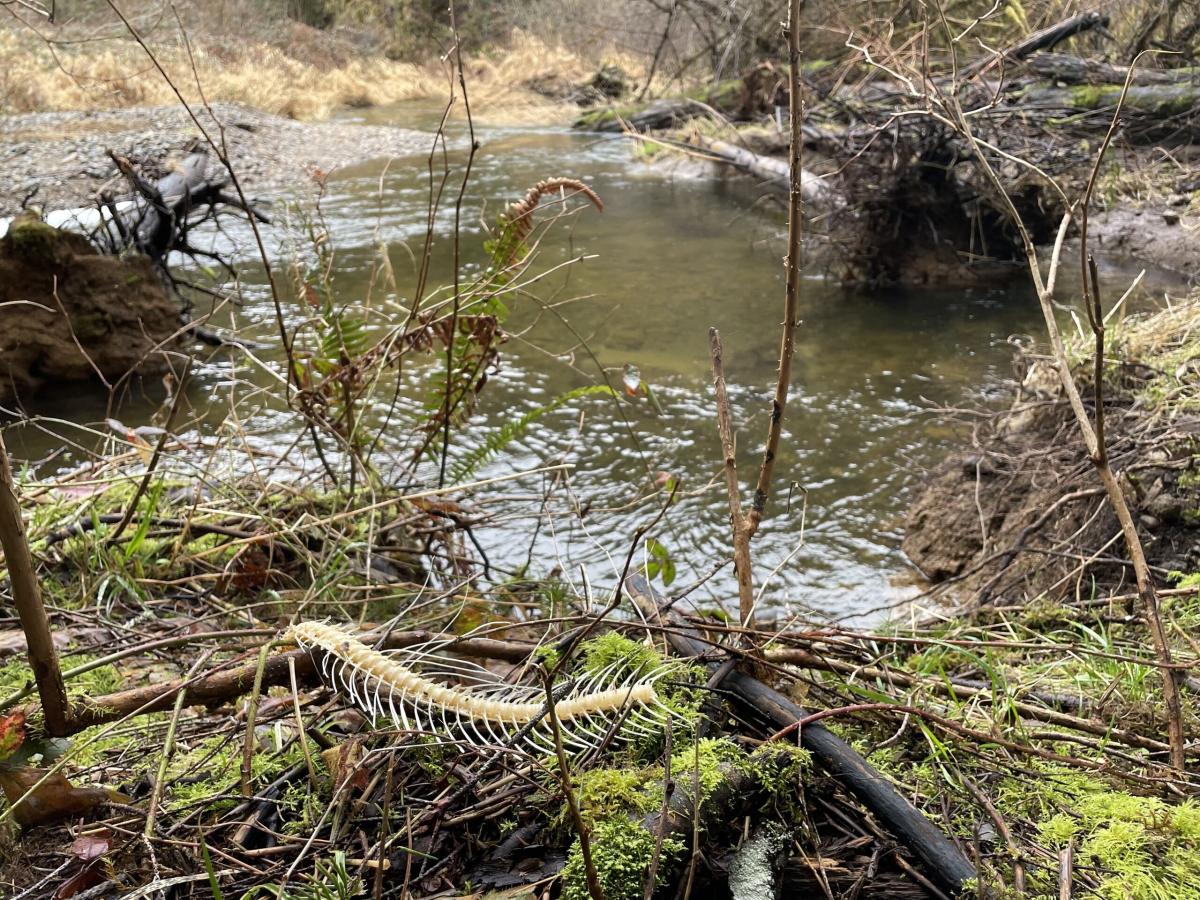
(770, 170)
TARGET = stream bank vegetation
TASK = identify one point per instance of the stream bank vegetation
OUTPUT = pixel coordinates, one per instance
(241, 669)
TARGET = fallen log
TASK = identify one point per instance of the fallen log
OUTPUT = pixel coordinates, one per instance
(1068, 69)
(1151, 113)
(159, 219)
(1045, 39)
(728, 98)
(936, 851)
(771, 171)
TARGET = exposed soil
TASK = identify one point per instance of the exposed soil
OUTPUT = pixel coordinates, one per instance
(58, 160)
(1022, 513)
(1165, 236)
(68, 313)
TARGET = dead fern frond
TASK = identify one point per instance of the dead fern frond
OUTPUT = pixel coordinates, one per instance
(516, 222)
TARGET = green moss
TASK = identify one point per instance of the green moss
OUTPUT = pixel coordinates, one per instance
(91, 327)
(621, 852)
(209, 773)
(1191, 478)
(1138, 848)
(618, 793)
(31, 239)
(15, 675)
(646, 150)
(701, 762)
(595, 119)
(613, 649)
(1091, 96)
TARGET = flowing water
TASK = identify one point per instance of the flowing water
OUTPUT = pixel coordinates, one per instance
(668, 258)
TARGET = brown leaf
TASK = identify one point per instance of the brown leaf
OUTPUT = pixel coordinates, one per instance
(344, 764)
(87, 877)
(87, 847)
(430, 505)
(55, 798)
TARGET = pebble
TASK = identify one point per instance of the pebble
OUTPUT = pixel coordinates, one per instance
(272, 153)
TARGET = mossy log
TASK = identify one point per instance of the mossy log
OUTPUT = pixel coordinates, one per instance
(1068, 69)
(726, 97)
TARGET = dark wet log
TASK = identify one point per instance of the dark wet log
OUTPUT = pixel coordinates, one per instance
(727, 98)
(772, 171)
(945, 864)
(1045, 39)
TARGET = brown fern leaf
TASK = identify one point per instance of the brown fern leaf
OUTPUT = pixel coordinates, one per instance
(517, 219)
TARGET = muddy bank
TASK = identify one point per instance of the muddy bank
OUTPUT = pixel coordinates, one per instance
(58, 160)
(1164, 235)
(68, 313)
(1021, 513)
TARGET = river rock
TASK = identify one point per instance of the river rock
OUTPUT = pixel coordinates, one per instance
(67, 312)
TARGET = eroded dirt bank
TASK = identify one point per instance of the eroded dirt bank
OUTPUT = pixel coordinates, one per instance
(1021, 514)
(59, 160)
(68, 313)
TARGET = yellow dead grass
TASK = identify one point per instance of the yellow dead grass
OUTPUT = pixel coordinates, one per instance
(118, 74)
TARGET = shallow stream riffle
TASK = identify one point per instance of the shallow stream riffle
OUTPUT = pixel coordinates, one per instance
(638, 285)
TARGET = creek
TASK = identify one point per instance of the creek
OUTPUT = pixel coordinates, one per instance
(669, 257)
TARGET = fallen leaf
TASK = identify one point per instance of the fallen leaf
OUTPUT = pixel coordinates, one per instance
(344, 763)
(12, 733)
(428, 505)
(91, 846)
(87, 877)
(54, 798)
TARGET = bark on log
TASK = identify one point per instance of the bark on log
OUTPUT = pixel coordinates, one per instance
(1069, 69)
(1151, 112)
(158, 221)
(1045, 39)
(936, 851)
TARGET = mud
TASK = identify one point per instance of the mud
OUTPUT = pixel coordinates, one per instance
(1021, 514)
(69, 314)
(1164, 236)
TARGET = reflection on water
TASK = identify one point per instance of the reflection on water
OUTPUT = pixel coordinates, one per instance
(666, 260)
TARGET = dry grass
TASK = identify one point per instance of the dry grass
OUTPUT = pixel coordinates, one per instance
(116, 73)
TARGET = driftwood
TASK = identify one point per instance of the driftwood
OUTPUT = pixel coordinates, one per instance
(771, 171)
(937, 852)
(163, 212)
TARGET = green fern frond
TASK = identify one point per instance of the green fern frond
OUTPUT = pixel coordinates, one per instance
(466, 467)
